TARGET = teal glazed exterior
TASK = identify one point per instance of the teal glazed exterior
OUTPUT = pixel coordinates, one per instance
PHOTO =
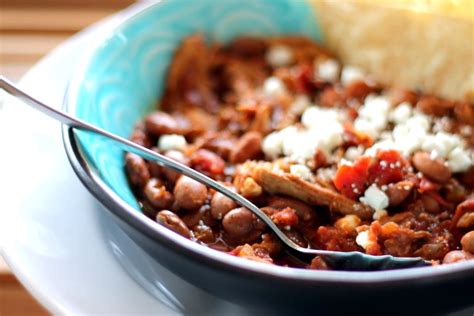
(122, 80)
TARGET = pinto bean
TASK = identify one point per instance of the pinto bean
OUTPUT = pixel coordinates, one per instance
(430, 204)
(433, 251)
(457, 256)
(159, 123)
(434, 106)
(189, 194)
(204, 233)
(464, 112)
(467, 242)
(239, 222)
(156, 171)
(296, 237)
(156, 194)
(432, 168)
(248, 147)
(173, 222)
(139, 136)
(304, 211)
(454, 192)
(400, 95)
(221, 205)
(247, 46)
(192, 218)
(398, 192)
(137, 170)
(358, 90)
(331, 97)
(464, 215)
(178, 156)
(466, 221)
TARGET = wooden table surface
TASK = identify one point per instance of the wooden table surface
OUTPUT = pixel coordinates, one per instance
(29, 29)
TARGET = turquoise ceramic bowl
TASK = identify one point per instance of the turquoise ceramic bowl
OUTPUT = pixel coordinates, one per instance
(126, 74)
(123, 79)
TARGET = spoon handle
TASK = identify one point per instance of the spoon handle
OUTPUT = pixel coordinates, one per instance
(146, 153)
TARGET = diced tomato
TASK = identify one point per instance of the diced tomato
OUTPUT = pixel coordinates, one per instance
(332, 238)
(207, 162)
(352, 180)
(427, 185)
(285, 217)
(388, 168)
(304, 78)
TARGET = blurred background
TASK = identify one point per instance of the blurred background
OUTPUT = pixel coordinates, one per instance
(29, 29)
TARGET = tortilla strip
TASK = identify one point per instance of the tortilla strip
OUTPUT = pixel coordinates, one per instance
(401, 45)
(294, 186)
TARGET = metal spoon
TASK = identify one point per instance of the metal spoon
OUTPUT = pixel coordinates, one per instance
(338, 260)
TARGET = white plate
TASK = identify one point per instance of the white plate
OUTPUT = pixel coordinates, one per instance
(54, 235)
(52, 229)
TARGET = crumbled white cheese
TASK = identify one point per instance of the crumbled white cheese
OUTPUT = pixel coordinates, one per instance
(301, 171)
(172, 142)
(328, 138)
(352, 153)
(375, 198)
(373, 115)
(272, 145)
(324, 127)
(381, 145)
(290, 135)
(401, 113)
(322, 130)
(273, 87)
(346, 162)
(407, 137)
(365, 126)
(327, 70)
(441, 144)
(279, 56)
(300, 147)
(419, 120)
(362, 239)
(317, 117)
(459, 160)
(351, 74)
(300, 104)
(326, 173)
(385, 135)
(374, 106)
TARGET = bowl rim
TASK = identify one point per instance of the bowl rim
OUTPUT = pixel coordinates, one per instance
(118, 207)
